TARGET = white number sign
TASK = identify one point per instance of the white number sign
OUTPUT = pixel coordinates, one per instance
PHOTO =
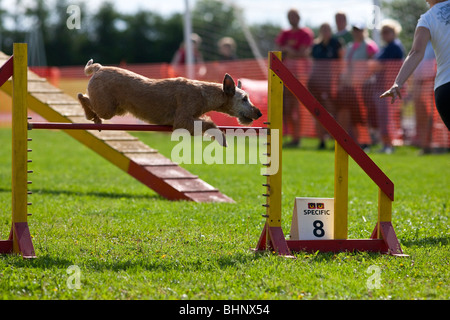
(313, 219)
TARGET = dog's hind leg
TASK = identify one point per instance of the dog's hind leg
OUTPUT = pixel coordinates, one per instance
(89, 113)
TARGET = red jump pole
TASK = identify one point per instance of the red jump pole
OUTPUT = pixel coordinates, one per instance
(6, 70)
(120, 127)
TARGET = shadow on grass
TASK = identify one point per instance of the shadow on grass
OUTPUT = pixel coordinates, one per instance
(99, 194)
(154, 264)
(426, 242)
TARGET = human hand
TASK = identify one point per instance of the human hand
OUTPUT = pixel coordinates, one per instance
(393, 92)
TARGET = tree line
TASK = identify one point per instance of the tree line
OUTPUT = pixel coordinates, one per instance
(111, 37)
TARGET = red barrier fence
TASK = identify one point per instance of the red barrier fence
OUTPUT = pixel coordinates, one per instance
(349, 92)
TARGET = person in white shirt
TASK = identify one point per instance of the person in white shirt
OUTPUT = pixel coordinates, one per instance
(433, 26)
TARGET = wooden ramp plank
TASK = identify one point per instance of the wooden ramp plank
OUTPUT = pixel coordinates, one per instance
(170, 172)
(212, 196)
(42, 87)
(133, 146)
(191, 185)
(112, 135)
(67, 109)
(119, 147)
(154, 159)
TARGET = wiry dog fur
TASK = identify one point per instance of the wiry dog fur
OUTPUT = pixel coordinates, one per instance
(177, 101)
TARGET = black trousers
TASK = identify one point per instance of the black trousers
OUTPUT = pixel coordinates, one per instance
(442, 99)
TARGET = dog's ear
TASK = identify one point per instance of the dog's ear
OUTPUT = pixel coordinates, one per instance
(229, 86)
(239, 84)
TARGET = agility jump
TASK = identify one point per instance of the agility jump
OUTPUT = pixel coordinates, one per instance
(383, 238)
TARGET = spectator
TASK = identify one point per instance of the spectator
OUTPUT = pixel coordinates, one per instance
(348, 107)
(325, 51)
(227, 48)
(294, 44)
(362, 47)
(379, 118)
(343, 34)
(434, 25)
(179, 59)
(180, 56)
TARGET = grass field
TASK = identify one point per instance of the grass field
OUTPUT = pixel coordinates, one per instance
(129, 243)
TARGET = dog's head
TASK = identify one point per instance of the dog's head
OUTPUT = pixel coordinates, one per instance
(239, 104)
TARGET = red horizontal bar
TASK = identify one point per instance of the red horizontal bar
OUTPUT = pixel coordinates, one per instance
(6, 246)
(93, 126)
(6, 70)
(118, 127)
(372, 245)
(332, 126)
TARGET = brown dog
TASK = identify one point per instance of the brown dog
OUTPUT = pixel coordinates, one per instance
(177, 102)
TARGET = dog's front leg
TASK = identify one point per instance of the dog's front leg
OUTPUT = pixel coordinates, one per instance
(219, 136)
(200, 126)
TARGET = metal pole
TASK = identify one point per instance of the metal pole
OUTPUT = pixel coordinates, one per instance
(188, 42)
(376, 22)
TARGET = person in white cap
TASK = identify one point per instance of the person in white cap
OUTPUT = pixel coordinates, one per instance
(349, 110)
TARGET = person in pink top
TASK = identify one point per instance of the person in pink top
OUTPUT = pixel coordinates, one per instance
(294, 43)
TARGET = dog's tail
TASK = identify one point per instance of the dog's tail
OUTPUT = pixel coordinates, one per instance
(91, 67)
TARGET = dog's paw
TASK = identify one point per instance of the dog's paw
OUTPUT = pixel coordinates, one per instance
(220, 140)
(225, 144)
(97, 120)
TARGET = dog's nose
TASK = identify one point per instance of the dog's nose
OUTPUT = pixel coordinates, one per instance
(259, 114)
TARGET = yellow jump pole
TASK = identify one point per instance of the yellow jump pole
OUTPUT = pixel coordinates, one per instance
(275, 122)
(384, 211)
(272, 236)
(21, 235)
(340, 192)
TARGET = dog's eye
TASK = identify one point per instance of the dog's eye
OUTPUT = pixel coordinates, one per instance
(245, 99)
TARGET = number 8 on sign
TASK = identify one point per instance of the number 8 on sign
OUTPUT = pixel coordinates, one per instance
(318, 229)
(313, 219)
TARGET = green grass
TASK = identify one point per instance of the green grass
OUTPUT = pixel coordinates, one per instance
(130, 243)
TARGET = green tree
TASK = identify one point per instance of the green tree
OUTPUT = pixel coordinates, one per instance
(106, 38)
(407, 12)
(110, 37)
(265, 35)
(63, 44)
(212, 20)
(171, 32)
(151, 38)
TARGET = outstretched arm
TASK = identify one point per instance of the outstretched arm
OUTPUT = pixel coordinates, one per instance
(415, 56)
